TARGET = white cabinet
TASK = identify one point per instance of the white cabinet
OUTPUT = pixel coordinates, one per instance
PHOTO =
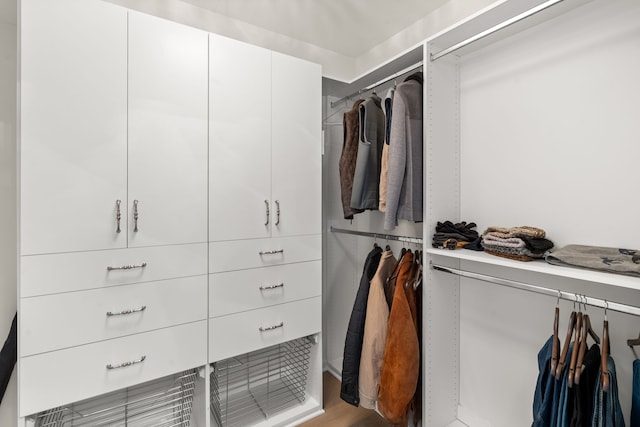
(113, 200)
(73, 125)
(264, 143)
(167, 160)
(264, 208)
(239, 140)
(296, 146)
(125, 121)
(102, 138)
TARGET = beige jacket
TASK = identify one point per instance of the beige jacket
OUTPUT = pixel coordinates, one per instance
(375, 333)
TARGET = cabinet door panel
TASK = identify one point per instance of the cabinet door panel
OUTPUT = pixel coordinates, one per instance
(73, 125)
(296, 145)
(240, 333)
(244, 290)
(76, 318)
(252, 253)
(239, 140)
(167, 132)
(62, 377)
(57, 273)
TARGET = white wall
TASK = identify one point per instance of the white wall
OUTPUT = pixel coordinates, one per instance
(549, 138)
(8, 47)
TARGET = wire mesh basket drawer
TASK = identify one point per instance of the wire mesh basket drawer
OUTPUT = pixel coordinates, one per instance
(255, 386)
(166, 402)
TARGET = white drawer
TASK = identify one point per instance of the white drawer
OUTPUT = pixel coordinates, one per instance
(62, 377)
(50, 274)
(242, 254)
(53, 322)
(236, 291)
(240, 333)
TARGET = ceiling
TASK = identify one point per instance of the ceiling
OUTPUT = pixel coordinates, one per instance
(348, 27)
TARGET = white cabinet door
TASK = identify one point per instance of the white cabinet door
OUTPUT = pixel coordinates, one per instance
(239, 141)
(73, 125)
(168, 65)
(296, 145)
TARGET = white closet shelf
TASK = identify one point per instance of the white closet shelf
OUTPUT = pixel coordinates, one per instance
(541, 267)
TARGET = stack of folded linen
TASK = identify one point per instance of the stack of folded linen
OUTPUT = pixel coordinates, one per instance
(451, 236)
(523, 243)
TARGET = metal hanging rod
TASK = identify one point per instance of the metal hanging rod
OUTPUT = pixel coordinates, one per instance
(502, 25)
(405, 239)
(377, 84)
(569, 296)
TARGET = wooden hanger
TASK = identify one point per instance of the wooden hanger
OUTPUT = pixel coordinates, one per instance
(576, 347)
(565, 347)
(586, 331)
(633, 342)
(604, 358)
(555, 345)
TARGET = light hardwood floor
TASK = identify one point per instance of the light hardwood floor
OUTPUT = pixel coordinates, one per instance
(338, 413)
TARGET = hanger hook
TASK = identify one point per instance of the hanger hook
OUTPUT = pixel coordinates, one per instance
(606, 307)
(575, 296)
(558, 300)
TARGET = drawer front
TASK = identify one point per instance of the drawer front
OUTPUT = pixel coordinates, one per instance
(61, 377)
(242, 254)
(239, 333)
(237, 291)
(50, 274)
(54, 322)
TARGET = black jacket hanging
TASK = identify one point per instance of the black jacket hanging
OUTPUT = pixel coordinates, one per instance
(8, 357)
(349, 391)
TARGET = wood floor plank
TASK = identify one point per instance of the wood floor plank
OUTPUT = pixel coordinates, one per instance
(338, 413)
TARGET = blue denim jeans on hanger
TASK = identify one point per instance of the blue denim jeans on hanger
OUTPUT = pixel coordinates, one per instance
(543, 399)
(556, 409)
(565, 401)
(606, 406)
(635, 397)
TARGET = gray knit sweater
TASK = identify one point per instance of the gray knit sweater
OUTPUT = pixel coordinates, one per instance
(404, 179)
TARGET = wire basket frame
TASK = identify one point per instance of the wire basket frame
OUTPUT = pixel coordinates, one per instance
(166, 402)
(258, 385)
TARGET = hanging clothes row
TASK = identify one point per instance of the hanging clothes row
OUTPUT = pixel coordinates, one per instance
(381, 161)
(577, 385)
(382, 358)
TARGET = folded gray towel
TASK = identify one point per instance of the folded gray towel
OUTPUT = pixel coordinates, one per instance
(612, 260)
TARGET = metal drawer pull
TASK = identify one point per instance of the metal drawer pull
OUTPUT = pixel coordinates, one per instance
(279, 251)
(266, 206)
(270, 328)
(135, 216)
(279, 285)
(118, 215)
(125, 364)
(127, 267)
(129, 311)
(277, 212)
